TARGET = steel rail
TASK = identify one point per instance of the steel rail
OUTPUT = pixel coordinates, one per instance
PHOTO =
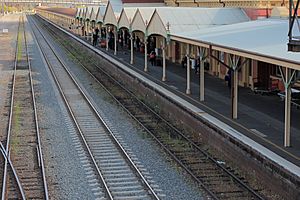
(142, 125)
(123, 151)
(7, 148)
(177, 131)
(72, 114)
(39, 147)
(184, 137)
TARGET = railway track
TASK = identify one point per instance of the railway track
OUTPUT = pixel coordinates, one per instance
(25, 178)
(117, 173)
(217, 179)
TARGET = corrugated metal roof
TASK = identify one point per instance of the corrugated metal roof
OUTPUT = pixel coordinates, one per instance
(181, 19)
(189, 19)
(89, 10)
(146, 13)
(126, 17)
(265, 37)
(141, 18)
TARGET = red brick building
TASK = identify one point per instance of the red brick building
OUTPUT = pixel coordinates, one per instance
(143, 1)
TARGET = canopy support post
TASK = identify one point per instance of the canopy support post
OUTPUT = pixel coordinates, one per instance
(188, 74)
(131, 48)
(116, 37)
(201, 69)
(164, 78)
(287, 79)
(106, 37)
(146, 58)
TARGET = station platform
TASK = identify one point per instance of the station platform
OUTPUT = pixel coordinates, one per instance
(260, 122)
(260, 117)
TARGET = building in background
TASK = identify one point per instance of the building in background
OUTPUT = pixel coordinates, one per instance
(143, 3)
(254, 9)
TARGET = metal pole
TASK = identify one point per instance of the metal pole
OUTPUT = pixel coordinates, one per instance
(235, 94)
(131, 48)
(146, 59)
(290, 18)
(106, 38)
(164, 60)
(116, 37)
(188, 87)
(287, 117)
(201, 79)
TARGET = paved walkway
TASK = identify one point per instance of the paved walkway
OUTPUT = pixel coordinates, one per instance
(260, 117)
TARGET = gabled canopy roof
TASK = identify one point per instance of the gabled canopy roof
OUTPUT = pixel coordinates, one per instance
(255, 39)
(126, 17)
(89, 11)
(93, 14)
(100, 14)
(81, 16)
(84, 11)
(78, 11)
(110, 16)
(181, 19)
(141, 18)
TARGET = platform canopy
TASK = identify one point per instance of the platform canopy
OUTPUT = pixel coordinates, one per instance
(100, 14)
(265, 40)
(89, 12)
(83, 15)
(141, 19)
(78, 12)
(112, 14)
(183, 19)
(93, 13)
(126, 17)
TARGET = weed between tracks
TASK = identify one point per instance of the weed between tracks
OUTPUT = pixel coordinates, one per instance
(19, 55)
(17, 128)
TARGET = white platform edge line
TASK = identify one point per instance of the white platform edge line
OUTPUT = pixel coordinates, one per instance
(221, 125)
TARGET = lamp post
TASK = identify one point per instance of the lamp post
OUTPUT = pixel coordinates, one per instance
(294, 40)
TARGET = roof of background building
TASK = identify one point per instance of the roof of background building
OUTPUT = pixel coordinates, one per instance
(71, 12)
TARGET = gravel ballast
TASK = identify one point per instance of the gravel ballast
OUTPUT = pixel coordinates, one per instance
(66, 175)
(167, 176)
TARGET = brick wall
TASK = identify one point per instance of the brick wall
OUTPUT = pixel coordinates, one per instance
(143, 1)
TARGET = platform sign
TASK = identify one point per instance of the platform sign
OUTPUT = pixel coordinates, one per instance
(5, 30)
